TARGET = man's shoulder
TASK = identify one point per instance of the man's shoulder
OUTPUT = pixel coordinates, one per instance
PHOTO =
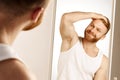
(11, 68)
(105, 58)
(105, 61)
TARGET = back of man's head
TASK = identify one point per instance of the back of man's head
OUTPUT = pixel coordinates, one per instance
(19, 7)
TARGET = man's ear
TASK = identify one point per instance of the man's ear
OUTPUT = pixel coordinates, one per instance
(36, 13)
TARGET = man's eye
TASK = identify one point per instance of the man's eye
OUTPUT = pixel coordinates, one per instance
(92, 25)
(99, 30)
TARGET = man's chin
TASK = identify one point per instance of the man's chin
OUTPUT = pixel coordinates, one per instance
(90, 39)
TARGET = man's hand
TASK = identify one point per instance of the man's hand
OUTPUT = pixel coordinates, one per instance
(98, 16)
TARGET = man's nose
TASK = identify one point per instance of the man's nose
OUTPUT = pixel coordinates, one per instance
(93, 30)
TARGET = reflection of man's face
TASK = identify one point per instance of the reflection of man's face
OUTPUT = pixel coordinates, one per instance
(34, 24)
(95, 31)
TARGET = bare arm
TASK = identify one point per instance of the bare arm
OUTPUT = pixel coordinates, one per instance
(68, 34)
(66, 26)
(13, 69)
(102, 73)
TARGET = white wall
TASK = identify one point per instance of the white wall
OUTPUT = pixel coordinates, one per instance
(34, 46)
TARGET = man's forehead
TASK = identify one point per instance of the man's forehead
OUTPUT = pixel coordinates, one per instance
(98, 23)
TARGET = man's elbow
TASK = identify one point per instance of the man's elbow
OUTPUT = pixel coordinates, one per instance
(66, 17)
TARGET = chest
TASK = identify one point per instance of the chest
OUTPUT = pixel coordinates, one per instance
(84, 63)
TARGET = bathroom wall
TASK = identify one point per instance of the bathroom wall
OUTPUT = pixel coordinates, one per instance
(115, 72)
(34, 46)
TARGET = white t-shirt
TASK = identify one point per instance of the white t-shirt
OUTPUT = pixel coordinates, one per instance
(75, 64)
(6, 52)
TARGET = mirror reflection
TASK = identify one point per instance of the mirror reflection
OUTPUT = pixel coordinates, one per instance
(81, 40)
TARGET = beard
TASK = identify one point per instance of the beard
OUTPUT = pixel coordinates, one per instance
(89, 36)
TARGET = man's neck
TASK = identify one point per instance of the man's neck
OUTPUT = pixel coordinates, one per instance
(7, 36)
(90, 48)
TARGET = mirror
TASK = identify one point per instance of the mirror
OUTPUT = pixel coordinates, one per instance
(104, 7)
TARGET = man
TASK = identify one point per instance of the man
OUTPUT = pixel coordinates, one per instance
(16, 16)
(80, 59)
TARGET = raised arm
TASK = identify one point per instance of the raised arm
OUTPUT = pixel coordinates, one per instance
(66, 26)
(67, 30)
